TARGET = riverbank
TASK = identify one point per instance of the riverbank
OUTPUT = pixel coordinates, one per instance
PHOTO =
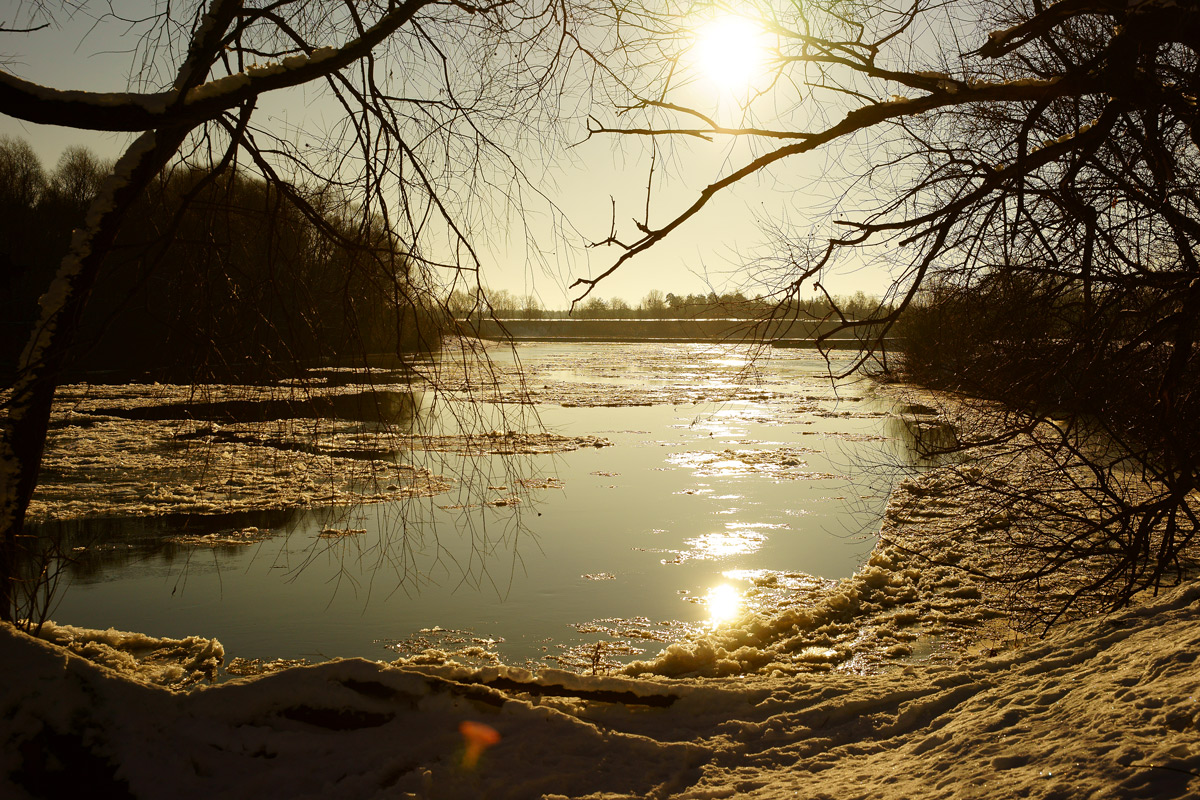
(1100, 708)
(755, 332)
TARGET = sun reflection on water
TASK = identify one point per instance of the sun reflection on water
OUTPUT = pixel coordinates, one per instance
(736, 540)
(724, 604)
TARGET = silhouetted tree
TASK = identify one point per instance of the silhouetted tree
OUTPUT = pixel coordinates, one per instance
(432, 99)
(22, 245)
(1027, 174)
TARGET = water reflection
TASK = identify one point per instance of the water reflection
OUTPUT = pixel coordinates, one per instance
(724, 604)
(924, 437)
(729, 543)
(547, 529)
(738, 538)
(99, 547)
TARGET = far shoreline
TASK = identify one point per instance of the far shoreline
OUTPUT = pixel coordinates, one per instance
(795, 333)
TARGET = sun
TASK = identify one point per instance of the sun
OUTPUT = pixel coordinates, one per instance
(730, 51)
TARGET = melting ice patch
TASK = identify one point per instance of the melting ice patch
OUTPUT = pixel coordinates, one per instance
(738, 538)
(783, 462)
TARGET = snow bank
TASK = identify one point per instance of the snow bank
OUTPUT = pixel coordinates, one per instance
(1103, 708)
(164, 662)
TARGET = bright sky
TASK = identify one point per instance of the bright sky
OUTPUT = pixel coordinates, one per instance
(706, 252)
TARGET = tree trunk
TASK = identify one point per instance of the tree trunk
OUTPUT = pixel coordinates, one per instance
(27, 410)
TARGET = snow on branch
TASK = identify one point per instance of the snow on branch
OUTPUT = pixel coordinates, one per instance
(106, 111)
(1009, 39)
(133, 111)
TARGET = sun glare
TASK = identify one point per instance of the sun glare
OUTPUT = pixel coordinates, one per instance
(730, 51)
(724, 603)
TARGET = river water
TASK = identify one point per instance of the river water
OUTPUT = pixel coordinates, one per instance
(713, 481)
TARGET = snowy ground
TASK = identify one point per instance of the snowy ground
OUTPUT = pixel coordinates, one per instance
(845, 695)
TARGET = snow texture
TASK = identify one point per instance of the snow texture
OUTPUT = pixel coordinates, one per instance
(1104, 708)
(238, 80)
(165, 662)
(217, 87)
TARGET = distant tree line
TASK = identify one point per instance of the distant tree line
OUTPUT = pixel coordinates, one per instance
(1103, 357)
(216, 275)
(503, 304)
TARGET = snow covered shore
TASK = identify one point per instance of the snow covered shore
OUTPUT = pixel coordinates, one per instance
(833, 699)
(1103, 708)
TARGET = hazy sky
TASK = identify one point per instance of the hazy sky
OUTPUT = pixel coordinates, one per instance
(583, 182)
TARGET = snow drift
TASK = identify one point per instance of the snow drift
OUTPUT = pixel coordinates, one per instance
(1103, 708)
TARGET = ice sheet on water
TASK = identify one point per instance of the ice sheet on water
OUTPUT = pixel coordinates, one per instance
(781, 462)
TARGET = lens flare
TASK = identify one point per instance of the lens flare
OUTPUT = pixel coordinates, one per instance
(477, 737)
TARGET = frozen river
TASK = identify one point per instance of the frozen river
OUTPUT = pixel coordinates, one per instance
(708, 484)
